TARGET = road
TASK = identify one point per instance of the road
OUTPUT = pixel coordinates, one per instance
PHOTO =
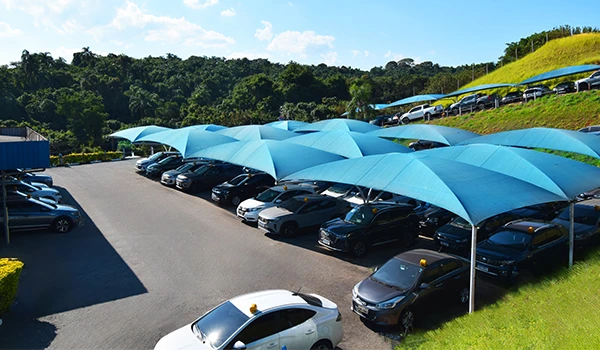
(149, 259)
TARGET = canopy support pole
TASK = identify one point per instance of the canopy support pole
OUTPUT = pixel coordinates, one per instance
(473, 271)
(571, 232)
(361, 194)
(5, 209)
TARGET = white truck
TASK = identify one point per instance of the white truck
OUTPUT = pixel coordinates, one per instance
(424, 112)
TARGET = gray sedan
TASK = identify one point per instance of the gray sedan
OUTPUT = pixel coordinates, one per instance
(301, 212)
(30, 214)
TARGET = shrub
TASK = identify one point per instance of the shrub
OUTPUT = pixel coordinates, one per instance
(10, 269)
(85, 157)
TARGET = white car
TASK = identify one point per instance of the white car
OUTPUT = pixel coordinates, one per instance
(341, 191)
(589, 82)
(268, 319)
(40, 192)
(249, 209)
(424, 112)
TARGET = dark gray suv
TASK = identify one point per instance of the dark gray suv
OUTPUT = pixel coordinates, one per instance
(32, 214)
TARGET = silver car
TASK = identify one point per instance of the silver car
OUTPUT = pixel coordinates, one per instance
(301, 212)
(35, 191)
(249, 209)
(30, 214)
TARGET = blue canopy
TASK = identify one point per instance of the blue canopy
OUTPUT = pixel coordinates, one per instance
(276, 158)
(289, 125)
(257, 132)
(436, 133)
(133, 134)
(548, 138)
(188, 140)
(557, 73)
(479, 88)
(338, 124)
(349, 144)
(415, 99)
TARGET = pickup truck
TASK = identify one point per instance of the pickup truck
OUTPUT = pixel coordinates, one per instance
(423, 111)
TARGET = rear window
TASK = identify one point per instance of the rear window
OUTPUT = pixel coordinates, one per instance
(310, 300)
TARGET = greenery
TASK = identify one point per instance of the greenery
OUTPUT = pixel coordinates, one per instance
(10, 270)
(84, 158)
(558, 312)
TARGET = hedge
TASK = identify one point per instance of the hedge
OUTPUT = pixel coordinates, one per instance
(83, 158)
(10, 269)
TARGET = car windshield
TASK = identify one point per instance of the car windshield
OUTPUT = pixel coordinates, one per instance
(238, 180)
(167, 160)
(510, 238)
(221, 323)
(185, 167)
(583, 215)
(201, 170)
(398, 273)
(268, 195)
(155, 156)
(339, 188)
(461, 222)
(361, 215)
(292, 204)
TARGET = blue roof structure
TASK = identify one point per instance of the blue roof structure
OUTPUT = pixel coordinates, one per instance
(256, 132)
(338, 124)
(289, 125)
(188, 140)
(479, 88)
(133, 134)
(429, 132)
(415, 99)
(557, 73)
(23, 148)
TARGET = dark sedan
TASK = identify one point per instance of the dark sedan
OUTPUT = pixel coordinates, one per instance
(369, 225)
(586, 220)
(432, 218)
(512, 97)
(142, 164)
(407, 284)
(207, 176)
(168, 177)
(522, 244)
(565, 88)
(169, 163)
(242, 187)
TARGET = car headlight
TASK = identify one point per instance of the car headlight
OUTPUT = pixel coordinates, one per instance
(254, 209)
(75, 213)
(432, 220)
(355, 292)
(390, 304)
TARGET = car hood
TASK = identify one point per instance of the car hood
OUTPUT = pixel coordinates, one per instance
(224, 186)
(253, 203)
(183, 338)
(340, 227)
(172, 173)
(65, 207)
(186, 175)
(577, 228)
(375, 292)
(144, 161)
(452, 231)
(275, 212)
(46, 192)
(496, 252)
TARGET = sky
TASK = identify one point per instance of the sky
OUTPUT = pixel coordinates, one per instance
(359, 34)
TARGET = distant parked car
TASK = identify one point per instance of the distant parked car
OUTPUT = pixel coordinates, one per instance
(592, 129)
(564, 88)
(142, 164)
(408, 284)
(588, 83)
(423, 144)
(169, 163)
(487, 101)
(301, 212)
(595, 193)
(168, 177)
(536, 91)
(544, 211)
(379, 196)
(467, 103)
(241, 187)
(512, 97)
(31, 214)
(207, 176)
(424, 112)
(522, 244)
(35, 191)
(28, 177)
(249, 209)
(341, 191)
(381, 120)
(370, 225)
(432, 218)
(586, 218)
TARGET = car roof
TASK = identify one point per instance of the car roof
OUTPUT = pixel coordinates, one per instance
(313, 197)
(266, 300)
(382, 205)
(416, 255)
(293, 187)
(524, 225)
(592, 202)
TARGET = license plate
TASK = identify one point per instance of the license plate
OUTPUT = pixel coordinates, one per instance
(361, 309)
(262, 224)
(445, 244)
(325, 241)
(214, 197)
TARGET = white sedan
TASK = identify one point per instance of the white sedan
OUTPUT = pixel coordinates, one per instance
(268, 319)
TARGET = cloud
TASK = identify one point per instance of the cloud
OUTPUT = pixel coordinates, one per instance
(6, 31)
(44, 12)
(228, 13)
(291, 4)
(197, 4)
(266, 33)
(394, 56)
(292, 42)
(66, 53)
(329, 58)
(366, 53)
(357, 53)
(248, 55)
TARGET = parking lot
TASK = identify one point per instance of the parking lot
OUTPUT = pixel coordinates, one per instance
(149, 259)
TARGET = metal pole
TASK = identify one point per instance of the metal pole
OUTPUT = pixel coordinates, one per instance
(571, 233)
(472, 279)
(6, 232)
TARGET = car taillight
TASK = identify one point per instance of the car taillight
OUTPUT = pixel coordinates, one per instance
(339, 317)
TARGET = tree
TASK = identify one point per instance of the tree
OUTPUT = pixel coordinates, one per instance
(361, 91)
(85, 115)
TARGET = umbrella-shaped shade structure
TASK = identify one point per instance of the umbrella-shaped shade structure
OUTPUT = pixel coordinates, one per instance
(276, 158)
(133, 134)
(548, 138)
(256, 132)
(349, 144)
(207, 127)
(436, 133)
(338, 124)
(289, 125)
(188, 140)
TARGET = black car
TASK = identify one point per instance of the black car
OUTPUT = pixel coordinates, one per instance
(207, 176)
(242, 187)
(522, 244)
(432, 218)
(381, 120)
(456, 235)
(142, 164)
(169, 163)
(512, 97)
(586, 220)
(565, 88)
(168, 177)
(544, 211)
(422, 144)
(369, 225)
(409, 283)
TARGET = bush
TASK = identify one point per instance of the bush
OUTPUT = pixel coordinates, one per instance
(10, 269)
(84, 158)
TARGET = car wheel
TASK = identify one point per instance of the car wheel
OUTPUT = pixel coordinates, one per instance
(322, 345)
(454, 111)
(236, 200)
(289, 229)
(62, 225)
(405, 120)
(463, 295)
(406, 321)
(480, 106)
(359, 248)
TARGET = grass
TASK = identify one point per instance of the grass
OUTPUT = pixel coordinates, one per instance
(559, 312)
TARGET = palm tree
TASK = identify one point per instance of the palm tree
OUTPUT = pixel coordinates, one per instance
(361, 92)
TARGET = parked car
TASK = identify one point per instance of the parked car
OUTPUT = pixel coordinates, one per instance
(341, 191)
(432, 218)
(408, 284)
(487, 101)
(142, 164)
(586, 219)
(31, 214)
(168, 177)
(301, 212)
(376, 195)
(381, 120)
(41, 192)
(424, 112)
(512, 97)
(271, 319)
(588, 83)
(169, 163)
(370, 225)
(207, 176)
(595, 193)
(522, 244)
(536, 91)
(423, 144)
(564, 88)
(467, 103)
(592, 129)
(241, 187)
(249, 209)
(544, 211)
(456, 235)
(31, 177)
(12, 195)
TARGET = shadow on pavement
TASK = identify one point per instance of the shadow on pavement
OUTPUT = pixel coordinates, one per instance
(26, 334)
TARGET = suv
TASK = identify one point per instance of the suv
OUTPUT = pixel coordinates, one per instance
(241, 187)
(168, 177)
(467, 102)
(142, 164)
(487, 101)
(587, 220)
(511, 97)
(31, 214)
(41, 192)
(536, 91)
(521, 244)
(169, 163)
(249, 209)
(207, 176)
(369, 225)
(589, 82)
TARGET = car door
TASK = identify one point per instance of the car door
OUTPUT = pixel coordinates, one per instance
(25, 214)
(260, 334)
(548, 245)
(301, 330)
(377, 232)
(401, 225)
(452, 278)
(430, 286)
(307, 215)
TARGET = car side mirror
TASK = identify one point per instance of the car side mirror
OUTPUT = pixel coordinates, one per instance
(278, 201)
(424, 286)
(239, 345)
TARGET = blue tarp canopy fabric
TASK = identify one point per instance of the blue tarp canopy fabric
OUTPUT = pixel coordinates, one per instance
(256, 132)
(415, 99)
(133, 134)
(276, 158)
(548, 138)
(557, 73)
(428, 132)
(479, 88)
(289, 125)
(349, 144)
(338, 124)
(188, 140)
(471, 192)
